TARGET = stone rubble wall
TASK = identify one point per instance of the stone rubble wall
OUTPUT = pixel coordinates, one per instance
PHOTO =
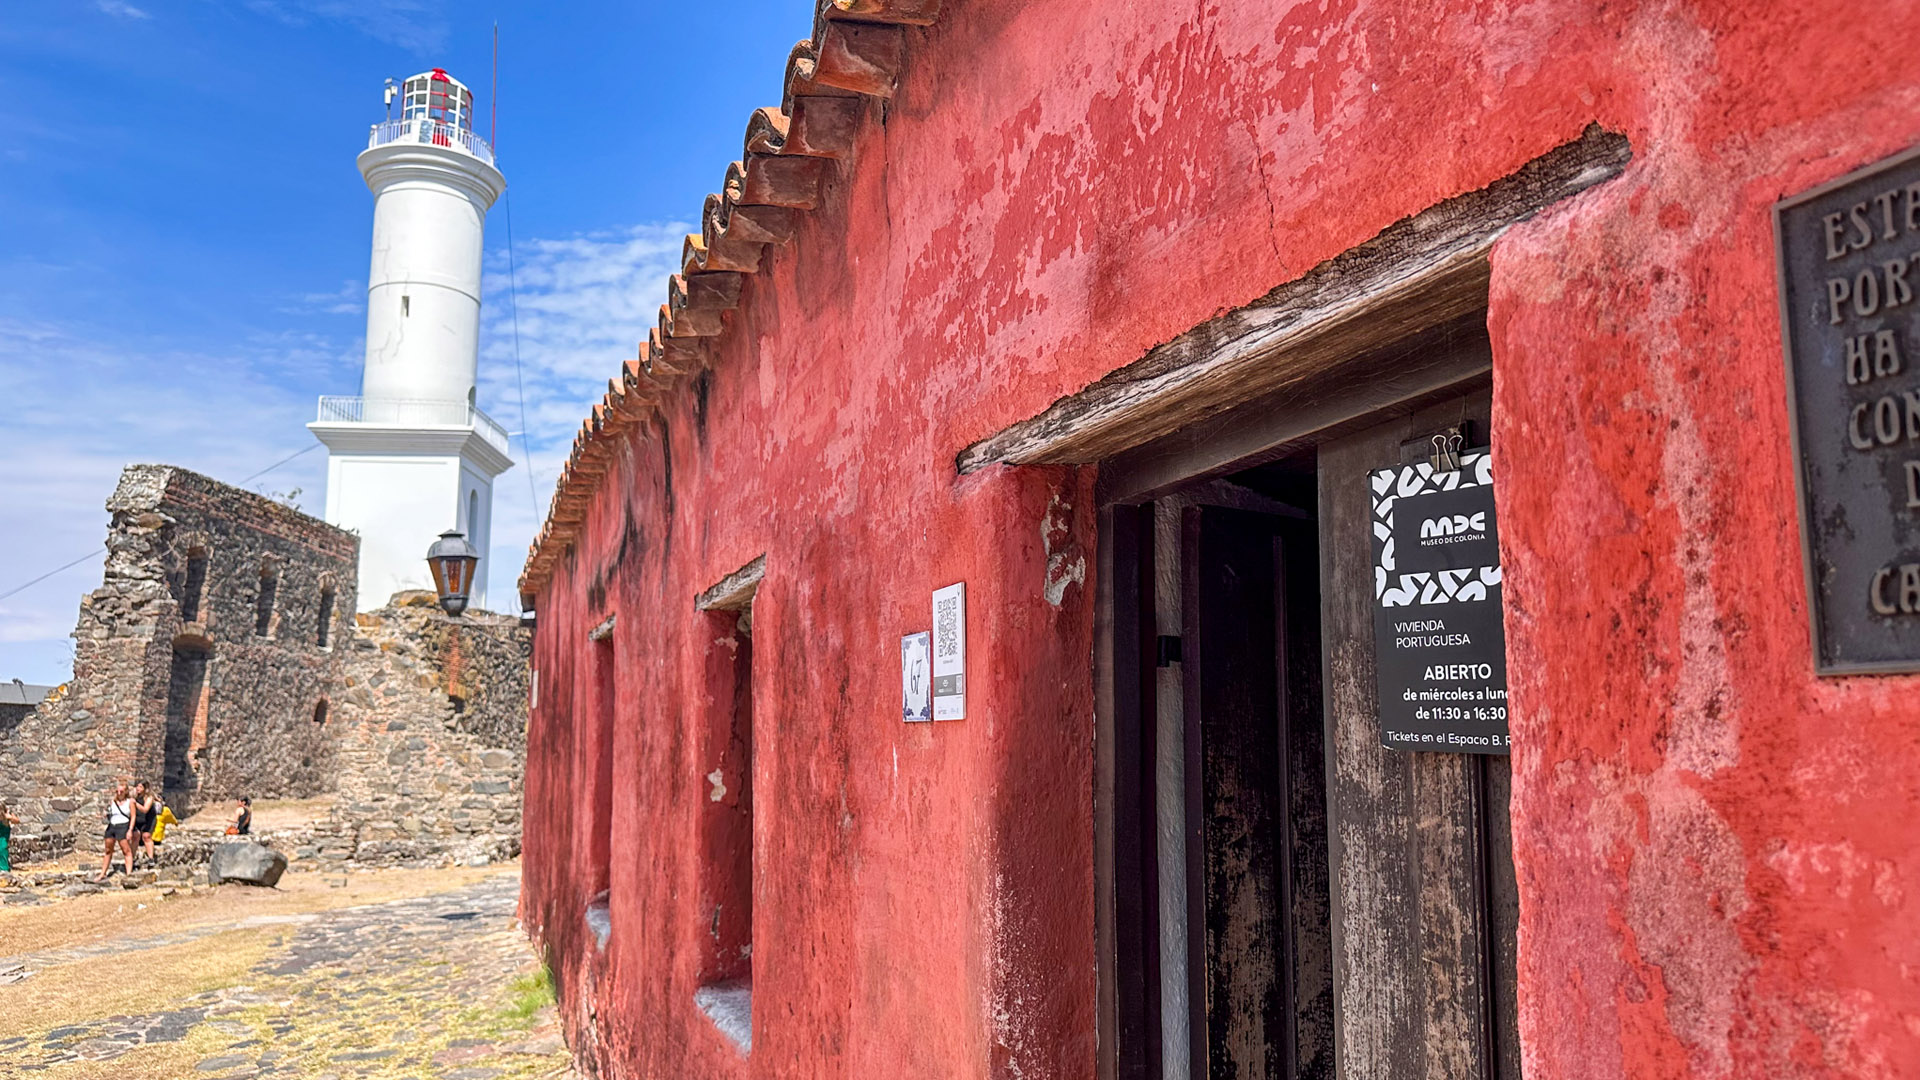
(432, 737)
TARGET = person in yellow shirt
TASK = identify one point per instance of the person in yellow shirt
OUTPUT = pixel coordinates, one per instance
(160, 823)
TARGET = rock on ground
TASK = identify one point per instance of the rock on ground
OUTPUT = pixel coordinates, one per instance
(248, 862)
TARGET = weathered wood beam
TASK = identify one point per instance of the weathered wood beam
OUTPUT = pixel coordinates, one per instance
(735, 591)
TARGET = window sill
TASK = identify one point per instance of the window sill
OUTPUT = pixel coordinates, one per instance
(600, 920)
(730, 1006)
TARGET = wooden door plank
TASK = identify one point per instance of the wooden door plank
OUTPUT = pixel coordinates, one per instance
(1411, 954)
(1303, 841)
(1126, 909)
(1230, 654)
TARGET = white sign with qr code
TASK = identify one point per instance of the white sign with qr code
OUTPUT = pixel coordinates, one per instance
(950, 652)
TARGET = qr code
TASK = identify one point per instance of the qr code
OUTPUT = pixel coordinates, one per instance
(946, 627)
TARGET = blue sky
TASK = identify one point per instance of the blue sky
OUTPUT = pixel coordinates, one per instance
(183, 235)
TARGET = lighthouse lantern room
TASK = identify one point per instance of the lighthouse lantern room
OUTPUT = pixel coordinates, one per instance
(412, 456)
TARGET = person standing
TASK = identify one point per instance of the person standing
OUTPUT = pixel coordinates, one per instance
(7, 821)
(160, 823)
(119, 819)
(145, 809)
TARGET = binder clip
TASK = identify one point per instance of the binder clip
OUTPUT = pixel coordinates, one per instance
(1445, 457)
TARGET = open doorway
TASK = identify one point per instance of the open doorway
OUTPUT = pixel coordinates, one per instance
(184, 744)
(1289, 898)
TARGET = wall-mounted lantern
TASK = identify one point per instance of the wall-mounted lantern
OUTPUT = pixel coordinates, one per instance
(452, 559)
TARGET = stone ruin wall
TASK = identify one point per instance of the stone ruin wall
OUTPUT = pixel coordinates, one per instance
(172, 682)
(420, 730)
(432, 716)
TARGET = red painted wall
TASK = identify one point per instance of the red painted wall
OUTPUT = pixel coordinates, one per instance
(1718, 867)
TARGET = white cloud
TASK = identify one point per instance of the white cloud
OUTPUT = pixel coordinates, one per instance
(349, 299)
(585, 303)
(410, 24)
(121, 9)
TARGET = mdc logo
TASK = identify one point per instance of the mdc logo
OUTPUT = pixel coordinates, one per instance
(1454, 525)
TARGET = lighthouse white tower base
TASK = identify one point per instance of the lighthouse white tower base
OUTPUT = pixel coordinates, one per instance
(396, 476)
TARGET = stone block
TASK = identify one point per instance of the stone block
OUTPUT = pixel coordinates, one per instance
(491, 787)
(246, 862)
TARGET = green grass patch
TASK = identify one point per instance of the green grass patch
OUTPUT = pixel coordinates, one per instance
(528, 994)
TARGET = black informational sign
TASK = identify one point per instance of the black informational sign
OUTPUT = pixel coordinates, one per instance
(1849, 257)
(1439, 645)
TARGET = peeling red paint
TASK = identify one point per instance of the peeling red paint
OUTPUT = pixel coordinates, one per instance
(1715, 849)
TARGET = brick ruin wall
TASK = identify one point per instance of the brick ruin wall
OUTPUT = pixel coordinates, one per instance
(220, 656)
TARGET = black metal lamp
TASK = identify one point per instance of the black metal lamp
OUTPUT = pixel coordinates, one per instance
(452, 560)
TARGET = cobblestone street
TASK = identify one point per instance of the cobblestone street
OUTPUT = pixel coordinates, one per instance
(440, 984)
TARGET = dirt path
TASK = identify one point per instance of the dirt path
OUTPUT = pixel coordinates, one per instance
(439, 985)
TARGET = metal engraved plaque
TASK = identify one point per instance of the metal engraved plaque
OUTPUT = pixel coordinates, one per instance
(1440, 646)
(1849, 255)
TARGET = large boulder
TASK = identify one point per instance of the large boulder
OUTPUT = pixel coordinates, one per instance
(247, 862)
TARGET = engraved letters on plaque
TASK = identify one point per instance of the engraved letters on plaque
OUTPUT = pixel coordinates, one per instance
(1849, 260)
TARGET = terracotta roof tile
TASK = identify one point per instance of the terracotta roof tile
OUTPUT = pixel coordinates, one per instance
(855, 56)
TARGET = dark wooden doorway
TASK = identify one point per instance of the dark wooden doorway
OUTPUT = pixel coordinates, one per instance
(1256, 850)
(1283, 896)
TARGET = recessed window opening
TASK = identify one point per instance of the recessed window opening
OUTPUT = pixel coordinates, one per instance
(320, 713)
(604, 690)
(324, 631)
(598, 750)
(195, 586)
(735, 940)
(264, 600)
(727, 834)
(406, 305)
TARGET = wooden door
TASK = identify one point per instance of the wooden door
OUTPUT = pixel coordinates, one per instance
(1259, 1002)
(1420, 844)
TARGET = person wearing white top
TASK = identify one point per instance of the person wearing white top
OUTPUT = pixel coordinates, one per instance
(119, 819)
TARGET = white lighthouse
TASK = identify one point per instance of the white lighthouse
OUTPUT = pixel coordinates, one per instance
(412, 456)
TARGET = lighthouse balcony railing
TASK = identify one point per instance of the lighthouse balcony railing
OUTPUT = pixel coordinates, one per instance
(432, 133)
(402, 412)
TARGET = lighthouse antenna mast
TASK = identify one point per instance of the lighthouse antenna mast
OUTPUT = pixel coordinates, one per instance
(493, 97)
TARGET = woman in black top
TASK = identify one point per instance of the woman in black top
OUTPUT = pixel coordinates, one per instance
(145, 809)
(242, 818)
